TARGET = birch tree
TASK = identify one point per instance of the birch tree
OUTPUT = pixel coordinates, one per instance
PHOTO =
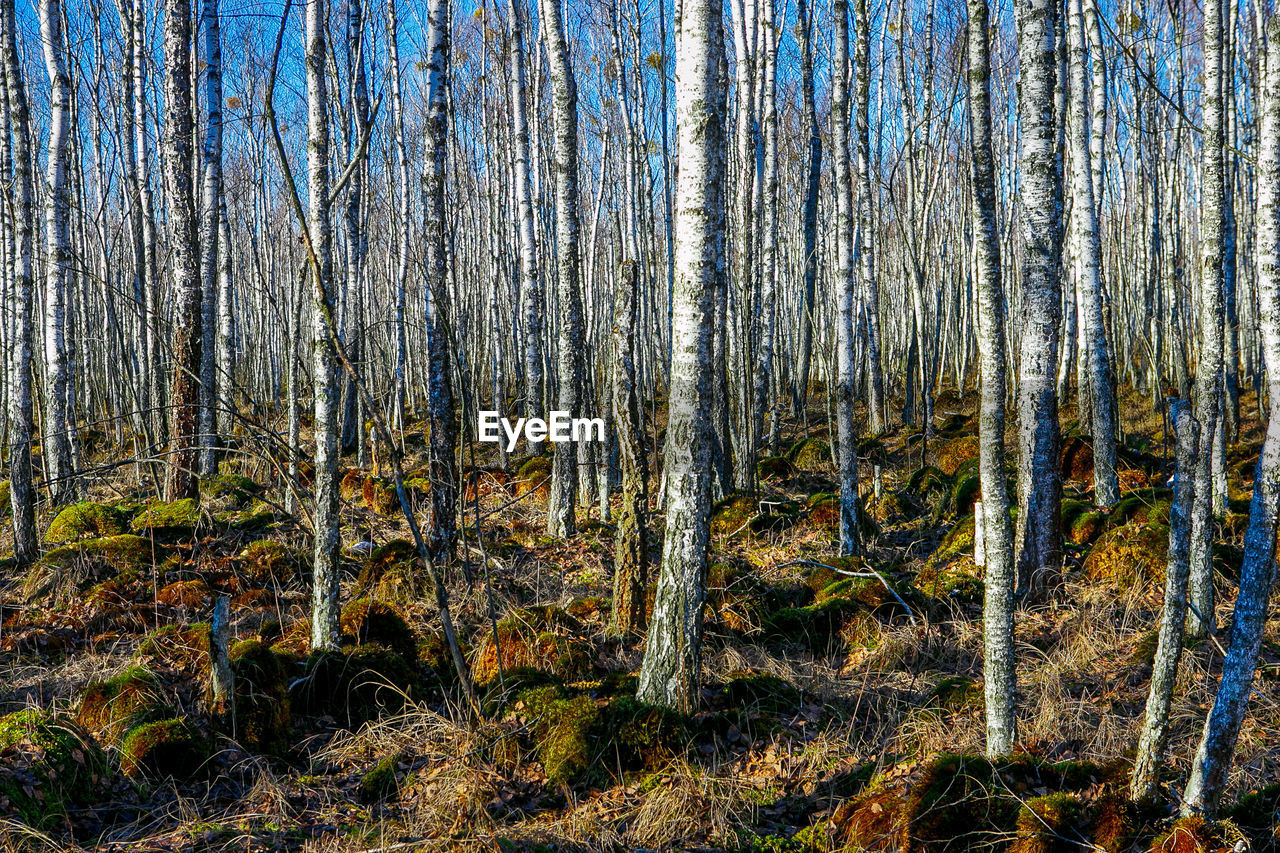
(1040, 226)
(210, 233)
(669, 674)
(1257, 573)
(999, 675)
(564, 475)
(22, 493)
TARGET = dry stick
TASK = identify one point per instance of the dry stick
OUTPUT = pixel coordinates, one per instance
(380, 428)
(870, 573)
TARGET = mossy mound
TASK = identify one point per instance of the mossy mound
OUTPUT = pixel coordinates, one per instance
(268, 562)
(380, 495)
(1045, 824)
(366, 620)
(733, 515)
(175, 518)
(1081, 524)
(112, 707)
(578, 736)
(950, 455)
(1077, 460)
(381, 781)
(183, 647)
(815, 627)
(261, 697)
(189, 594)
(351, 485)
(774, 468)
(162, 749)
(86, 520)
(966, 490)
(957, 543)
(1146, 506)
(968, 802)
(64, 573)
(760, 693)
(542, 638)
(354, 685)
(931, 487)
(256, 517)
(811, 455)
(891, 508)
(1258, 811)
(230, 488)
(1134, 555)
(391, 572)
(534, 475)
(46, 766)
(956, 580)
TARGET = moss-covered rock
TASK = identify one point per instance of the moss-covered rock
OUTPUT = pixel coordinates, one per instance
(815, 627)
(86, 520)
(161, 749)
(366, 620)
(733, 515)
(534, 475)
(110, 708)
(1046, 824)
(46, 766)
(65, 573)
(561, 728)
(1081, 523)
(957, 543)
(354, 685)
(262, 715)
(774, 468)
(231, 488)
(811, 455)
(175, 518)
(1134, 555)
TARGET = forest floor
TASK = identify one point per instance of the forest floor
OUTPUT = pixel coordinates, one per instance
(837, 712)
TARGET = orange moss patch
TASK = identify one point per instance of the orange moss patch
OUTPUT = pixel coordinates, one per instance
(190, 593)
(1128, 556)
(1077, 460)
(534, 475)
(380, 495)
(539, 638)
(954, 453)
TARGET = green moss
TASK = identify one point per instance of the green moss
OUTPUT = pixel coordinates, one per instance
(760, 692)
(814, 627)
(258, 516)
(1046, 824)
(964, 493)
(162, 749)
(6, 500)
(733, 515)
(952, 454)
(65, 573)
(112, 707)
(354, 685)
(86, 520)
(561, 729)
(176, 518)
(957, 543)
(46, 766)
(381, 781)
(234, 488)
(261, 697)
(1257, 810)
(368, 621)
(812, 455)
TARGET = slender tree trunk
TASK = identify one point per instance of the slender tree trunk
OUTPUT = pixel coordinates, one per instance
(1040, 223)
(531, 295)
(325, 576)
(564, 474)
(631, 555)
(22, 492)
(1144, 784)
(866, 226)
(1222, 726)
(998, 662)
(1087, 257)
(210, 233)
(809, 213)
(1208, 391)
(57, 446)
(845, 287)
(402, 212)
(442, 462)
(670, 672)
